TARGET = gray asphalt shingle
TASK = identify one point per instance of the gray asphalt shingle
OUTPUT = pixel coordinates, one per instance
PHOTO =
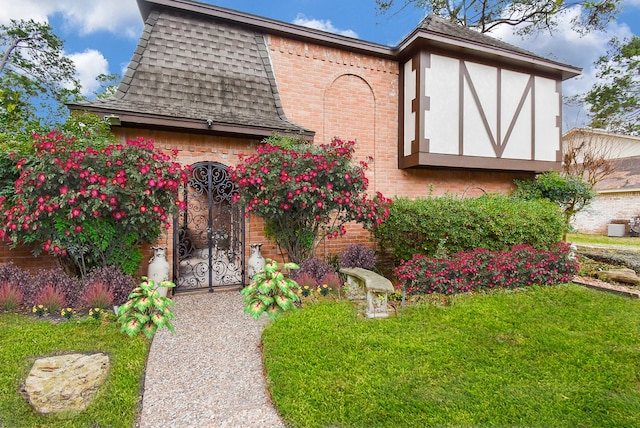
(187, 67)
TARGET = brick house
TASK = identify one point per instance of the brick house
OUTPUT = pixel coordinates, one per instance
(618, 194)
(448, 110)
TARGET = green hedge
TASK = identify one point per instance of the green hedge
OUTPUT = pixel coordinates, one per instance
(452, 223)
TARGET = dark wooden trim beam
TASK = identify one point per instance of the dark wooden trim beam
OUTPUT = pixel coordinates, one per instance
(193, 125)
(431, 160)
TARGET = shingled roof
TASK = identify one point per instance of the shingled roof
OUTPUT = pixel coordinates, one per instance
(186, 72)
(624, 178)
(438, 25)
(436, 30)
(200, 66)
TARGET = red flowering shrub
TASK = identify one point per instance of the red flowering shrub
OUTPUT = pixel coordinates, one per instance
(94, 206)
(481, 268)
(307, 193)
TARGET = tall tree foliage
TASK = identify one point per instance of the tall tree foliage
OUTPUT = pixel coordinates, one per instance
(614, 101)
(35, 75)
(529, 15)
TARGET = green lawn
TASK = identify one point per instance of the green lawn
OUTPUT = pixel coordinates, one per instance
(23, 339)
(581, 238)
(561, 356)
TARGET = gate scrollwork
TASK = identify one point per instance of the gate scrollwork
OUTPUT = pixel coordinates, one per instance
(209, 234)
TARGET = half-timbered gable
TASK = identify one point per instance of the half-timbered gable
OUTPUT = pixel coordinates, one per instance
(471, 101)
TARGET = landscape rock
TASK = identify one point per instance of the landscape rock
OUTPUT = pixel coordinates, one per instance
(628, 276)
(65, 383)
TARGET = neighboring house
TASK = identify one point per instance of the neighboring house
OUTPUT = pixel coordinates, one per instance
(448, 110)
(618, 194)
(613, 146)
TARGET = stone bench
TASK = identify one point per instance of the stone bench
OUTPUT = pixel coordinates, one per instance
(376, 286)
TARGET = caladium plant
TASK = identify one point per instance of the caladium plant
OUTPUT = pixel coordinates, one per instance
(271, 291)
(146, 310)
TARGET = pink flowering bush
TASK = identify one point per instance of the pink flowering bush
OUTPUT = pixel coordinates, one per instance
(480, 269)
(91, 207)
(307, 193)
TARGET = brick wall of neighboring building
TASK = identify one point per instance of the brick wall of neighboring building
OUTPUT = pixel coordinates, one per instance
(604, 208)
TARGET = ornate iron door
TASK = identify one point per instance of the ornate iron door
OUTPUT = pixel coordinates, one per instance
(209, 234)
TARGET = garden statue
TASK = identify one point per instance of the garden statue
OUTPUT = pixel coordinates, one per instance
(256, 261)
(158, 269)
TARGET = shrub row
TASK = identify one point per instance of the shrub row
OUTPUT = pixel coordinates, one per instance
(452, 223)
(54, 288)
(479, 269)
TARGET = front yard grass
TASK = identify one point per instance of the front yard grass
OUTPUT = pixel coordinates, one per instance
(23, 339)
(548, 356)
(582, 238)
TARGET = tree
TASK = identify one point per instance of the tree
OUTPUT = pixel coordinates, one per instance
(588, 156)
(306, 193)
(571, 193)
(614, 102)
(530, 15)
(108, 85)
(33, 66)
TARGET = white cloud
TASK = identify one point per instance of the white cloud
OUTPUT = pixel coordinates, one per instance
(89, 64)
(568, 47)
(120, 17)
(324, 25)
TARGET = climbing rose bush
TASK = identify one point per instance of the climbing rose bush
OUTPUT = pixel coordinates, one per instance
(307, 193)
(92, 207)
(481, 269)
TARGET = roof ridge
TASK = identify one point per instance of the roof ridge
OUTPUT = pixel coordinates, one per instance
(471, 35)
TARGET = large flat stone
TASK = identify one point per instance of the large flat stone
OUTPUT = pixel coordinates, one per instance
(65, 383)
(625, 275)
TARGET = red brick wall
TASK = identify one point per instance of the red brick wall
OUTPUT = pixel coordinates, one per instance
(22, 256)
(334, 93)
(355, 97)
(196, 148)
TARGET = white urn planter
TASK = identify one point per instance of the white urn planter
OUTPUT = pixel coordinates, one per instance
(158, 269)
(256, 261)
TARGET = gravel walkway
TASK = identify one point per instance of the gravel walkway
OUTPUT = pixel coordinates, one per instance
(209, 373)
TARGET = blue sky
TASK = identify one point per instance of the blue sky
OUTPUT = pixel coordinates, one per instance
(101, 35)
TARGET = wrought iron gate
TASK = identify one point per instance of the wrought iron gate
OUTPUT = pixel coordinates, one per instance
(209, 234)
